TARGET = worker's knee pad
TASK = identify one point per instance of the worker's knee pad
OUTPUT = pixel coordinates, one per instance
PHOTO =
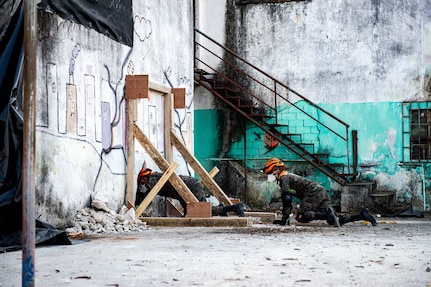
(305, 217)
(286, 198)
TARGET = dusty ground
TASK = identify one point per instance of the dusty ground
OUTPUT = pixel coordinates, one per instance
(397, 252)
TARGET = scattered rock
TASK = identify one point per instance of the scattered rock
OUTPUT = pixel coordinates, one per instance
(92, 220)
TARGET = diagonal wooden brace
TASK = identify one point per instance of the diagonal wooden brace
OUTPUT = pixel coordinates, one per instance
(150, 196)
(163, 164)
(212, 186)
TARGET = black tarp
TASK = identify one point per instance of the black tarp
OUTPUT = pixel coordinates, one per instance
(11, 133)
(110, 18)
(11, 60)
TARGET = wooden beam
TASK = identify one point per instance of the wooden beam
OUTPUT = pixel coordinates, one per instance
(202, 173)
(159, 88)
(213, 172)
(130, 173)
(153, 192)
(161, 162)
(194, 222)
(169, 124)
(261, 217)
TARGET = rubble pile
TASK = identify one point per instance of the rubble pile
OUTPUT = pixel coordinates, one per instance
(100, 219)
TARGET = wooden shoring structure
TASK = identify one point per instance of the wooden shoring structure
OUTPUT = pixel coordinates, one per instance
(165, 164)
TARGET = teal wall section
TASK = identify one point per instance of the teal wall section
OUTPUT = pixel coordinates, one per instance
(380, 147)
(208, 137)
(379, 127)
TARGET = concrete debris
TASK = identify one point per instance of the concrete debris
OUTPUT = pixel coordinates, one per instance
(99, 202)
(90, 221)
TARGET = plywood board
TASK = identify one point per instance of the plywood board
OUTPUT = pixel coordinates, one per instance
(199, 209)
(137, 86)
(179, 98)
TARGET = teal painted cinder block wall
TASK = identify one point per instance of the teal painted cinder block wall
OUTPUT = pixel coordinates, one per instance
(208, 138)
(379, 127)
(380, 145)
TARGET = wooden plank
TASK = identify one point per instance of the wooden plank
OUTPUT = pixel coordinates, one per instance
(153, 192)
(169, 124)
(199, 209)
(159, 88)
(213, 172)
(195, 222)
(197, 167)
(130, 172)
(263, 217)
(172, 210)
(161, 162)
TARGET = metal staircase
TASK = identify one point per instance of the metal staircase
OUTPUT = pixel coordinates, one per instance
(257, 96)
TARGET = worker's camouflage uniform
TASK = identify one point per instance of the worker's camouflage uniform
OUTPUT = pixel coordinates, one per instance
(169, 191)
(315, 203)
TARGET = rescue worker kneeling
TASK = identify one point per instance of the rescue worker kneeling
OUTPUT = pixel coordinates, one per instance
(147, 179)
(315, 202)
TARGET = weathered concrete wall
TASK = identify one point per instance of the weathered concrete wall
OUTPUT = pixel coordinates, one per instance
(358, 60)
(333, 51)
(81, 151)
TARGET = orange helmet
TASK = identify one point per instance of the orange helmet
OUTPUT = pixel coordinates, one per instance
(144, 172)
(270, 164)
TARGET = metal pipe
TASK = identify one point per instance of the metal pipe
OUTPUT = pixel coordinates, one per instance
(28, 169)
(245, 161)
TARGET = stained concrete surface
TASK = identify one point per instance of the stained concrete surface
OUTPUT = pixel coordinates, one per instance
(397, 252)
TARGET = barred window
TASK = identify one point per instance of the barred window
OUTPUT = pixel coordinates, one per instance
(420, 134)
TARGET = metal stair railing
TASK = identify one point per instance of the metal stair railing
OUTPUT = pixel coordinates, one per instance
(220, 69)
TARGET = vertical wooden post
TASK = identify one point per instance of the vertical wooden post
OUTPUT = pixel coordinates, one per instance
(130, 177)
(29, 145)
(169, 124)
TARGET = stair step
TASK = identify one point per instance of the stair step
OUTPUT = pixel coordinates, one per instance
(307, 146)
(332, 165)
(319, 157)
(246, 109)
(273, 126)
(240, 102)
(261, 117)
(290, 136)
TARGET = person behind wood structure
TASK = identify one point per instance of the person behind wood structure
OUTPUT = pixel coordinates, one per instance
(147, 179)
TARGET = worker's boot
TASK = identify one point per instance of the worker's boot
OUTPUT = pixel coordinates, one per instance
(238, 209)
(329, 215)
(363, 215)
(285, 220)
(223, 210)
